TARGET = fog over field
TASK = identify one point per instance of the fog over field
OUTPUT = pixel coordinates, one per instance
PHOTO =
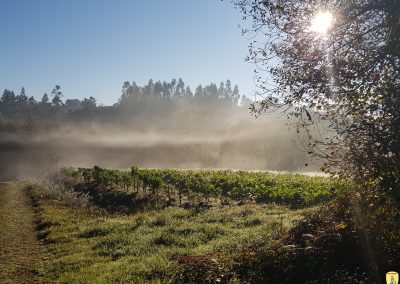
(269, 148)
(264, 146)
(146, 130)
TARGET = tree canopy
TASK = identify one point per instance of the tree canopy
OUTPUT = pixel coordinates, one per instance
(346, 79)
(152, 100)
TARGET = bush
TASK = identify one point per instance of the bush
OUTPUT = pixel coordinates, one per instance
(353, 239)
(59, 193)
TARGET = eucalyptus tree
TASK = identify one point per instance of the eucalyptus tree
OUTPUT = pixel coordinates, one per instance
(45, 99)
(57, 96)
(22, 98)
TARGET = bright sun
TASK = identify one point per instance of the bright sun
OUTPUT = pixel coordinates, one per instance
(321, 22)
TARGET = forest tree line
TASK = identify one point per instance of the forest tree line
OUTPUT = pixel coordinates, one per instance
(22, 111)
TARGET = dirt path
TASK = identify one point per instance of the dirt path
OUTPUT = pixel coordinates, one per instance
(20, 252)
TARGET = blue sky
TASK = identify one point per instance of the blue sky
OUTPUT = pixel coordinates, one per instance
(90, 47)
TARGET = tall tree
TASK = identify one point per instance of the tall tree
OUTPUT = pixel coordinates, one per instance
(32, 101)
(45, 99)
(125, 90)
(188, 92)
(166, 90)
(221, 90)
(199, 91)
(57, 95)
(228, 89)
(22, 98)
(235, 95)
(8, 97)
(173, 86)
(149, 88)
(180, 88)
(158, 89)
(344, 76)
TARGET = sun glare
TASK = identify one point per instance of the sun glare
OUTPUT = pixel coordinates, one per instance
(321, 22)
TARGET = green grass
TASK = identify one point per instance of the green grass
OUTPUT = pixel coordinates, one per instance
(91, 246)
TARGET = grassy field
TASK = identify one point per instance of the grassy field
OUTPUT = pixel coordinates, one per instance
(92, 233)
(91, 245)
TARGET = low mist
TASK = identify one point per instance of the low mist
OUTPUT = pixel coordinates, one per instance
(184, 132)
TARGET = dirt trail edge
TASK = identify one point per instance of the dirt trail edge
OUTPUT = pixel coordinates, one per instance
(21, 253)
